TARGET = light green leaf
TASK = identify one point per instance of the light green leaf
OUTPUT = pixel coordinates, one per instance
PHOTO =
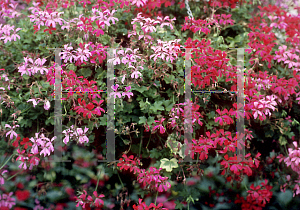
(168, 164)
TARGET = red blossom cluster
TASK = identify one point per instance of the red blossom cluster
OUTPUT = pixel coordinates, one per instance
(257, 197)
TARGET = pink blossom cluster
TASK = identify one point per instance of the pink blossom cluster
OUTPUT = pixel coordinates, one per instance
(8, 8)
(102, 19)
(127, 56)
(148, 25)
(293, 160)
(138, 3)
(143, 206)
(262, 106)
(8, 33)
(166, 50)
(262, 83)
(83, 53)
(6, 200)
(23, 156)
(44, 18)
(178, 117)
(31, 67)
(196, 25)
(116, 94)
(153, 179)
(94, 201)
(277, 22)
(288, 57)
(42, 145)
(78, 135)
(224, 19)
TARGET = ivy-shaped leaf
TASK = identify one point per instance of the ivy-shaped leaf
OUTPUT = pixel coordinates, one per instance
(168, 164)
(157, 106)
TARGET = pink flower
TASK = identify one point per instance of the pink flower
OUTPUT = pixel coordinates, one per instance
(1, 178)
(12, 133)
(139, 3)
(115, 94)
(33, 101)
(47, 104)
(7, 201)
(166, 50)
(67, 54)
(160, 126)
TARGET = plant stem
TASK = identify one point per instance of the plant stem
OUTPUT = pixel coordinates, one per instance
(156, 197)
(97, 183)
(120, 180)
(141, 143)
(14, 175)
(7, 161)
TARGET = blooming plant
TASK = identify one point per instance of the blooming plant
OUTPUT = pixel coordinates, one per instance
(150, 45)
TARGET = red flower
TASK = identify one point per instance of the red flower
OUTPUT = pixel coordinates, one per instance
(50, 29)
(20, 185)
(22, 195)
(26, 143)
(16, 142)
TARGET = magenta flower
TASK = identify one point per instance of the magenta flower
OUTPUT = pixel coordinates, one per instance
(7, 201)
(160, 126)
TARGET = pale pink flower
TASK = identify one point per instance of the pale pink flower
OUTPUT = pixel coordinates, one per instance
(47, 104)
(115, 94)
(139, 3)
(1, 178)
(68, 54)
(12, 133)
(34, 102)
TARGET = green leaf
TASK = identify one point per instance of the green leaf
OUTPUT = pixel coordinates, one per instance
(168, 164)
(86, 72)
(157, 106)
(168, 104)
(154, 153)
(285, 197)
(142, 120)
(282, 140)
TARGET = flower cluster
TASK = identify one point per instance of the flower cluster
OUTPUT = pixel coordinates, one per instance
(42, 145)
(7, 201)
(224, 19)
(148, 25)
(45, 18)
(262, 106)
(257, 197)
(86, 200)
(9, 9)
(143, 206)
(78, 135)
(149, 179)
(166, 50)
(31, 67)
(152, 180)
(9, 33)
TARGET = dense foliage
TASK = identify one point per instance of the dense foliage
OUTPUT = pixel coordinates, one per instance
(151, 41)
